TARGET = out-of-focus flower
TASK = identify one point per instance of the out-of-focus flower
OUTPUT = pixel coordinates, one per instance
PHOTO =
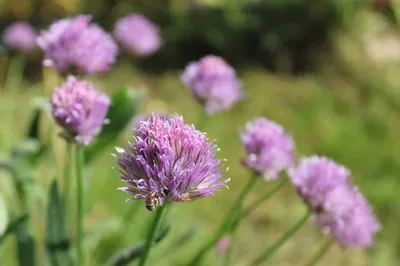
(20, 36)
(74, 43)
(346, 215)
(315, 176)
(138, 35)
(269, 148)
(170, 161)
(80, 109)
(213, 83)
(336, 206)
(223, 245)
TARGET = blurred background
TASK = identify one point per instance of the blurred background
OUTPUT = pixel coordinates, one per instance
(328, 71)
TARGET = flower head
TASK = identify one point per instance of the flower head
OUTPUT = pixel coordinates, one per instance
(170, 159)
(20, 36)
(315, 176)
(75, 43)
(269, 148)
(213, 82)
(336, 206)
(80, 109)
(146, 116)
(138, 35)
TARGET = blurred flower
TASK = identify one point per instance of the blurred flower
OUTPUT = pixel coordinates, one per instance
(269, 148)
(336, 206)
(170, 161)
(75, 43)
(213, 82)
(20, 36)
(315, 176)
(346, 215)
(223, 245)
(80, 109)
(138, 35)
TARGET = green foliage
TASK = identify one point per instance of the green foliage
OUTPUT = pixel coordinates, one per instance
(26, 246)
(130, 254)
(58, 240)
(13, 226)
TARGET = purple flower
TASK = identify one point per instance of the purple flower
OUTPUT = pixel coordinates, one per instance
(336, 206)
(80, 109)
(315, 176)
(138, 35)
(213, 82)
(75, 43)
(20, 36)
(170, 161)
(269, 148)
(144, 117)
(347, 217)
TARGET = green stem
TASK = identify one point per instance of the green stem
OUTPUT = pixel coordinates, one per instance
(80, 160)
(226, 223)
(321, 252)
(67, 175)
(243, 214)
(258, 202)
(275, 247)
(152, 232)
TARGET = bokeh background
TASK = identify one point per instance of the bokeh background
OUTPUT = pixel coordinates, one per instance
(328, 71)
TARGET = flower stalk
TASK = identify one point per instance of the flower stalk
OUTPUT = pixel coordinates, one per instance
(321, 253)
(151, 234)
(275, 247)
(80, 159)
(230, 218)
(233, 229)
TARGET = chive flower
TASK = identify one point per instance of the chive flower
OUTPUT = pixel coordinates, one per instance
(80, 110)
(336, 206)
(270, 150)
(137, 35)
(20, 36)
(75, 44)
(213, 83)
(169, 161)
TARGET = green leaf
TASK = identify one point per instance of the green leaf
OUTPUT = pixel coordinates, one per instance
(57, 235)
(124, 105)
(33, 130)
(3, 216)
(12, 226)
(25, 246)
(130, 254)
(6, 163)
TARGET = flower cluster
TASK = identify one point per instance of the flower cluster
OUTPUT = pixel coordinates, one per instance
(269, 148)
(213, 83)
(20, 36)
(337, 206)
(80, 109)
(138, 35)
(75, 44)
(170, 159)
